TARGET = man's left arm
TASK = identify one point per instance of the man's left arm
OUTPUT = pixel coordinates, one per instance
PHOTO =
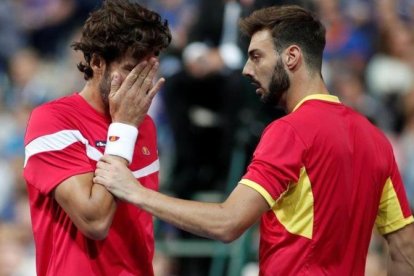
(221, 221)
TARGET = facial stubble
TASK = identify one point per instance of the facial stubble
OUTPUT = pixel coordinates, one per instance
(278, 86)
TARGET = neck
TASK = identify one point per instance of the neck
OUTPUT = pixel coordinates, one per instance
(91, 94)
(302, 87)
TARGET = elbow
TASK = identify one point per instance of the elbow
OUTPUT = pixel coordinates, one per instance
(229, 233)
(96, 228)
(229, 237)
(96, 225)
(96, 231)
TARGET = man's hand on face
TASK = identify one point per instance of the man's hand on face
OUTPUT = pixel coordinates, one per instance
(130, 100)
(117, 178)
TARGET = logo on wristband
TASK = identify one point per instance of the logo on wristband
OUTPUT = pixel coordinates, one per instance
(113, 138)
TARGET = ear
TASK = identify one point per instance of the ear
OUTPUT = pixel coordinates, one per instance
(98, 65)
(293, 57)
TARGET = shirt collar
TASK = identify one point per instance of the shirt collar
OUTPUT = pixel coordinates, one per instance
(321, 97)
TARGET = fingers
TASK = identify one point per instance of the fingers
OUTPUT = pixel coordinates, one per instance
(157, 87)
(107, 159)
(130, 99)
(115, 83)
(145, 79)
(133, 75)
(100, 177)
(139, 79)
(147, 83)
(102, 165)
(121, 88)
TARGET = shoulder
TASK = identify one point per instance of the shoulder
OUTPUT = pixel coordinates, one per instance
(51, 117)
(375, 134)
(60, 107)
(280, 126)
(282, 132)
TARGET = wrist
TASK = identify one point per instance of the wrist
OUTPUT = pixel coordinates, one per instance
(121, 140)
(139, 197)
(124, 122)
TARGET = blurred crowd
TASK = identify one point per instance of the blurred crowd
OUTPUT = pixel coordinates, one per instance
(208, 116)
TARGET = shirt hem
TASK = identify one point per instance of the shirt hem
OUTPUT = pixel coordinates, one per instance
(258, 188)
(395, 225)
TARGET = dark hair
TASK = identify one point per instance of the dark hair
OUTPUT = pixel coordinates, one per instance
(120, 26)
(289, 25)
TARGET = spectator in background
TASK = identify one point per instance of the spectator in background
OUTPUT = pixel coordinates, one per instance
(11, 36)
(46, 22)
(15, 259)
(407, 145)
(202, 100)
(180, 15)
(28, 81)
(350, 88)
(390, 72)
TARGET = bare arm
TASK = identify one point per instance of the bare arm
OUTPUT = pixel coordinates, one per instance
(91, 207)
(401, 248)
(222, 221)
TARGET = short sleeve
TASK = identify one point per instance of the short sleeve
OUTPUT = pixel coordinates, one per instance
(54, 150)
(276, 162)
(394, 210)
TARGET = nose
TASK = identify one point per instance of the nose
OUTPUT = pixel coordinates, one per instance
(247, 70)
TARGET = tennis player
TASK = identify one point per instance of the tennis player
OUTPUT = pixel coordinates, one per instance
(79, 228)
(320, 178)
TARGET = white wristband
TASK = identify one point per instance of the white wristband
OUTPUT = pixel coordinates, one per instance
(121, 140)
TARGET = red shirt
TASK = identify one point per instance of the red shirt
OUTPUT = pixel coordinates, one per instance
(328, 175)
(65, 138)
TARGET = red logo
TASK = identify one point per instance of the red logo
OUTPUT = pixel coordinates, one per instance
(145, 150)
(113, 138)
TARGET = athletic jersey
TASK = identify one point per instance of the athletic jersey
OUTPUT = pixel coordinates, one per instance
(328, 175)
(64, 138)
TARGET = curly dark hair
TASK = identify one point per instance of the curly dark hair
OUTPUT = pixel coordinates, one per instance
(290, 24)
(120, 26)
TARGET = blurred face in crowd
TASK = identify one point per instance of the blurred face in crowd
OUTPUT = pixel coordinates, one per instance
(265, 68)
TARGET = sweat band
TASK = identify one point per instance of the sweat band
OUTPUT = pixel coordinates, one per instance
(121, 140)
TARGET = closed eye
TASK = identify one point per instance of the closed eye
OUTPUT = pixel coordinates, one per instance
(255, 58)
(254, 55)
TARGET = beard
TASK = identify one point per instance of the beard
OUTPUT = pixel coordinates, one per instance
(278, 85)
(105, 89)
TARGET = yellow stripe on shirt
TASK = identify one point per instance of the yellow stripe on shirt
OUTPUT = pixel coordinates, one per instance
(260, 190)
(390, 216)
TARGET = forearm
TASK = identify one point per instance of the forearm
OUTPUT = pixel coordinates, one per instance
(401, 259)
(401, 251)
(100, 205)
(210, 220)
(223, 221)
(90, 207)
(400, 269)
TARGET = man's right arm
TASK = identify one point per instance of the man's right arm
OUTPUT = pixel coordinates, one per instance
(91, 207)
(401, 248)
